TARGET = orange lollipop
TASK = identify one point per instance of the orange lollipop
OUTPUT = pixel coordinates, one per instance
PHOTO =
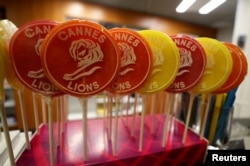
(80, 58)
(239, 70)
(136, 60)
(25, 47)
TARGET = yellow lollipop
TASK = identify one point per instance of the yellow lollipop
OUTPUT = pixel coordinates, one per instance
(7, 29)
(218, 68)
(6, 32)
(166, 61)
(2, 99)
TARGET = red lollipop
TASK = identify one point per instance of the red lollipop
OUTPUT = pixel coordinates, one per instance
(136, 60)
(239, 70)
(192, 63)
(80, 57)
(25, 47)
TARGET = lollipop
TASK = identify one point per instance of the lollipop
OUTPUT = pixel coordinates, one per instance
(191, 69)
(7, 30)
(2, 111)
(81, 59)
(218, 68)
(166, 60)
(25, 47)
(136, 60)
(239, 70)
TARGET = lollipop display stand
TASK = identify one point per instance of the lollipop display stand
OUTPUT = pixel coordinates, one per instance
(100, 147)
(82, 58)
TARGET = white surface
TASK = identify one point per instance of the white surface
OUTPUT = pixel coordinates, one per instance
(18, 145)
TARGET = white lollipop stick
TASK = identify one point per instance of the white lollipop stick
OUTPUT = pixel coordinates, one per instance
(204, 120)
(110, 109)
(24, 119)
(117, 107)
(128, 106)
(190, 105)
(35, 112)
(134, 114)
(63, 112)
(167, 118)
(58, 121)
(153, 107)
(51, 133)
(44, 111)
(84, 104)
(142, 123)
(6, 134)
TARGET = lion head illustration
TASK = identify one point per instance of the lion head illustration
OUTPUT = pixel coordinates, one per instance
(39, 73)
(185, 61)
(128, 58)
(85, 52)
(158, 60)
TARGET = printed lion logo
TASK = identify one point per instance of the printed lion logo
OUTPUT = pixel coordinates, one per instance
(158, 60)
(210, 64)
(128, 58)
(186, 61)
(39, 73)
(86, 53)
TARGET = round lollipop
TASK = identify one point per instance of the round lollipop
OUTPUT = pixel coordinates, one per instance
(80, 58)
(239, 70)
(25, 47)
(166, 60)
(2, 100)
(218, 68)
(192, 63)
(7, 30)
(191, 69)
(136, 63)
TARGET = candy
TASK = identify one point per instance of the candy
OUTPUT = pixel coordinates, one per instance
(7, 31)
(166, 61)
(239, 70)
(136, 61)
(25, 47)
(192, 63)
(218, 68)
(80, 57)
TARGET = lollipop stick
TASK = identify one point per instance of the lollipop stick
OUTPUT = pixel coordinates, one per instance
(128, 106)
(44, 110)
(35, 112)
(51, 140)
(6, 134)
(117, 105)
(23, 115)
(190, 105)
(167, 118)
(110, 109)
(204, 120)
(63, 113)
(84, 103)
(58, 121)
(134, 114)
(153, 105)
(142, 123)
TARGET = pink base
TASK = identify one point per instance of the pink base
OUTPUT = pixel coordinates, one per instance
(100, 148)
